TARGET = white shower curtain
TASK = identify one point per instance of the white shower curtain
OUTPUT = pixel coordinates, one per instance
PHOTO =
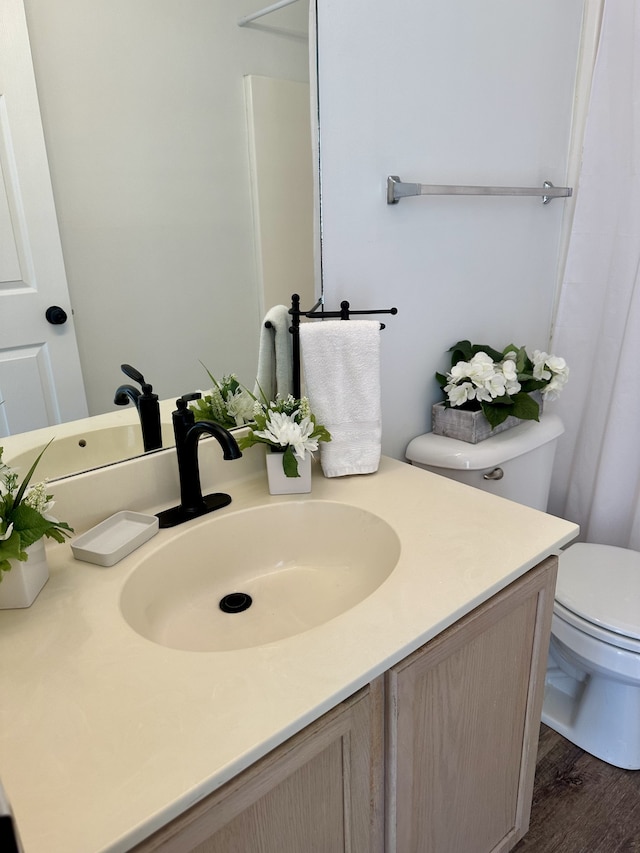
(597, 477)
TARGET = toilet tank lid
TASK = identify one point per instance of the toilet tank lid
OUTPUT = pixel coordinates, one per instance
(438, 451)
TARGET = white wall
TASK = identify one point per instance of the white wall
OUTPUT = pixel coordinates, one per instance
(144, 117)
(443, 91)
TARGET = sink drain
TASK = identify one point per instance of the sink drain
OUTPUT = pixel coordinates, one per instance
(235, 602)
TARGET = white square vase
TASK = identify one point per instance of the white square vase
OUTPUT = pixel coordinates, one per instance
(22, 583)
(280, 484)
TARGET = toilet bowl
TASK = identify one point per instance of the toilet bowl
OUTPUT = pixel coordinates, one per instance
(592, 687)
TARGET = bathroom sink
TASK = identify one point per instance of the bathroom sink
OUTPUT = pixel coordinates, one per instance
(70, 454)
(258, 575)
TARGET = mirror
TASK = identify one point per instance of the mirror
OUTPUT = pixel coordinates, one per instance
(169, 138)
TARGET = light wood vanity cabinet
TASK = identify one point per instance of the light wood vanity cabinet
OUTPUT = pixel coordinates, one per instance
(320, 792)
(463, 719)
(438, 755)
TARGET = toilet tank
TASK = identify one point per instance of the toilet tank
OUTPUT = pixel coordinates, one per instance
(515, 464)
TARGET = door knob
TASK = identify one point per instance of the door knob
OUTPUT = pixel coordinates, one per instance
(56, 315)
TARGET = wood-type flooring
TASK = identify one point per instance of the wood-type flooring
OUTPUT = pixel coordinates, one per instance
(581, 804)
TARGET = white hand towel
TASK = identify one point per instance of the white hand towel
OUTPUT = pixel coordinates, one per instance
(341, 361)
(275, 355)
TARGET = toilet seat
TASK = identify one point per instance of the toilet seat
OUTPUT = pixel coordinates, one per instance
(598, 592)
(609, 637)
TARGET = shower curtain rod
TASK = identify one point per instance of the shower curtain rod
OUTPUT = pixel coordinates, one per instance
(267, 10)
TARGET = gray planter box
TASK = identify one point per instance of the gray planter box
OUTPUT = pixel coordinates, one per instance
(471, 427)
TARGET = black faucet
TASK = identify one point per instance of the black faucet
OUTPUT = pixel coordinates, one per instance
(187, 433)
(146, 402)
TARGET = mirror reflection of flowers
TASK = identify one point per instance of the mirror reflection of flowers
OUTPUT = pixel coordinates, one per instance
(287, 426)
(500, 382)
(24, 515)
(227, 403)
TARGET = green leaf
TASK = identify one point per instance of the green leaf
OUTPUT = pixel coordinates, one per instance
(12, 549)
(465, 350)
(249, 440)
(529, 384)
(495, 414)
(522, 359)
(27, 479)
(30, 524)
(525, 407)
(319, 431)
(59, 532)
(290, 463)
(494, 354)
(462, 351)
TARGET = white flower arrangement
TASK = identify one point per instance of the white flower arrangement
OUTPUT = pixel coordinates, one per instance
(500, 382)
(287, 426)
(24, 515)
(227, 403)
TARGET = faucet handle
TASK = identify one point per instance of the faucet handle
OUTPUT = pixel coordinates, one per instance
(134, 374)
(183, 417)
(181, 402)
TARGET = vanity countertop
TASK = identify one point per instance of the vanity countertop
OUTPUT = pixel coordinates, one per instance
(106, 736)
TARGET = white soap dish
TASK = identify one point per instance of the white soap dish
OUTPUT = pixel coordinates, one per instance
(114, 538)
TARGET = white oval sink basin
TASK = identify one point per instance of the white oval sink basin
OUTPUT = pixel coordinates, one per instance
(300, 563)
(70, 454)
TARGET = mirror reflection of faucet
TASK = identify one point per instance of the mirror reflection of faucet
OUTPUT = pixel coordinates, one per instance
(187, 435)
(146, 402)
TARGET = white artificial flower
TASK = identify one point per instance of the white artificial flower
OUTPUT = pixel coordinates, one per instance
(36, 498)
(539, 365)
(483, 380)
(459, 394)
(509, 370)
(512, 387)
(555, 386)
(304, 408)
(305, 442)
(240, 406)
(510, 373)
(481, 368)
(482, 394)
(282, 430)
(496, 385)
(556, 364)
(460, 370)
(7, 532)
(552, 369)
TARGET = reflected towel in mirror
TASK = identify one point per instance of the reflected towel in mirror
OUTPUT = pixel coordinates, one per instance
(275, 355)
(341, 361)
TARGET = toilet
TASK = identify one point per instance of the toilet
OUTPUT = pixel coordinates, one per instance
(592, 687)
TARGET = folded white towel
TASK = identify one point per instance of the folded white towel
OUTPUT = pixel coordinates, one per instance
(341, 361)
(275, 356)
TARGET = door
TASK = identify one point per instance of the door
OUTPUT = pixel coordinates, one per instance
(40, 377)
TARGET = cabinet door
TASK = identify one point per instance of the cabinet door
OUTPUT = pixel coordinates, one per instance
(464, 714)
(320, 792)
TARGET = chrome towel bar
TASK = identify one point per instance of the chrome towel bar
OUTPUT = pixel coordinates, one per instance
(396, 190)
(266, 11)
